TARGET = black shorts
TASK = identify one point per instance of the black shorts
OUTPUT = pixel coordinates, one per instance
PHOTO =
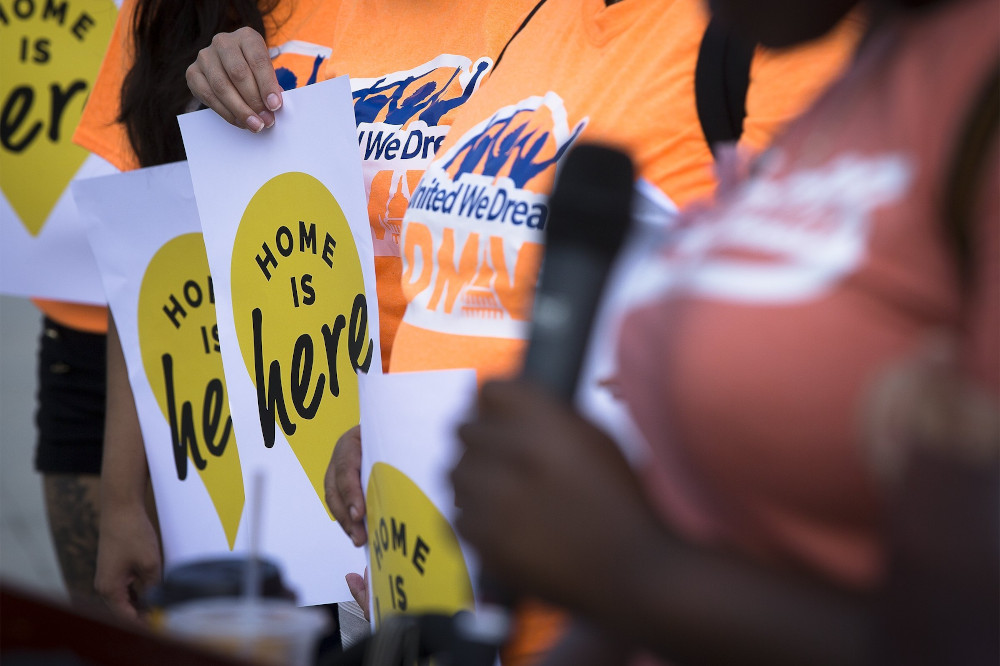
(72, 381)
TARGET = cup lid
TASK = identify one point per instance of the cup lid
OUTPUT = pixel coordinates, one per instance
(219, 577)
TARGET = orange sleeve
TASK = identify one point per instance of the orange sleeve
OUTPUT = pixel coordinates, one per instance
(99, 130)
(784, 83)
(82, 317)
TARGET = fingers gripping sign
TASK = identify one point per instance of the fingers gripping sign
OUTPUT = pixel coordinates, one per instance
(234, 77)
(344, 495)
(359, 590)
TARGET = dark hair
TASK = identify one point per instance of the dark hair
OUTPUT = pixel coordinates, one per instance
(166, 38)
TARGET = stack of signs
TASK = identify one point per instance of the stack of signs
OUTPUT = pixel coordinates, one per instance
(244, 295)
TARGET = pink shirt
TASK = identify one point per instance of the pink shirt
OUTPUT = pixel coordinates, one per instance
(781, 306)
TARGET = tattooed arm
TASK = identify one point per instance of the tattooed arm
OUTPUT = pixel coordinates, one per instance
(128, 557)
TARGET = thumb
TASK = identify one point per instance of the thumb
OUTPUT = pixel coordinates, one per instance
(359, 590)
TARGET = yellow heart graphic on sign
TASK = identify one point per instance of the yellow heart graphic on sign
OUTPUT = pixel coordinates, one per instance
(179, 340)
(301, 316)
(50, 53)
(417, 565)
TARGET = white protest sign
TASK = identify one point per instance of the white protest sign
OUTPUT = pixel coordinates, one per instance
(417, 563)
(289, 244)
(143, 227)
(49, 57)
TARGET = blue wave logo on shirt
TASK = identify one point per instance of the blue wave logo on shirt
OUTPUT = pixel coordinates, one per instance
(289, 81)
(425, 93)
(473, 237)
(501, 170)
(519, 142)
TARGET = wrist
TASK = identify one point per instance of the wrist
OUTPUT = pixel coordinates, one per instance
(122, 500)
(629, 573)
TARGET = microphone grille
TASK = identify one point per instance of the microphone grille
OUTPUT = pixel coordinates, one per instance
(591, 202)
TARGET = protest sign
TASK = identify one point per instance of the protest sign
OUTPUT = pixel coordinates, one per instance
(289, 245)
(417, 563)
(143, 226)
(50, 52)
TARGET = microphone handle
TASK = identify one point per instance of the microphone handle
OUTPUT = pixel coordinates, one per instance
(569, 293)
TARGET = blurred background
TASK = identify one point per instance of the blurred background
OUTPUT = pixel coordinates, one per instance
(26, 554)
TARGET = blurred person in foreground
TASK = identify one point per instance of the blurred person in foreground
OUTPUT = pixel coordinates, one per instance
(767, 524)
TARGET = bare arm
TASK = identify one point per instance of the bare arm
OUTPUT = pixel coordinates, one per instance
(128, 555)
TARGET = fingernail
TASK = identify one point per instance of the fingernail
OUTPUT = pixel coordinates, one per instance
(267, 117)
(354, 512)
(273, 102)
(255, 124)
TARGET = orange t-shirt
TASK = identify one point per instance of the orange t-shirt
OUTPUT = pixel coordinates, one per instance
(580, 70)
(412, 66)
(299, 41)
(748, 375)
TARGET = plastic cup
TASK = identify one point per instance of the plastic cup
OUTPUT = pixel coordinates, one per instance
(267, 631)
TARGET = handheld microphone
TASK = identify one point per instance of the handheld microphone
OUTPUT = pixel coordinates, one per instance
(590, 212)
